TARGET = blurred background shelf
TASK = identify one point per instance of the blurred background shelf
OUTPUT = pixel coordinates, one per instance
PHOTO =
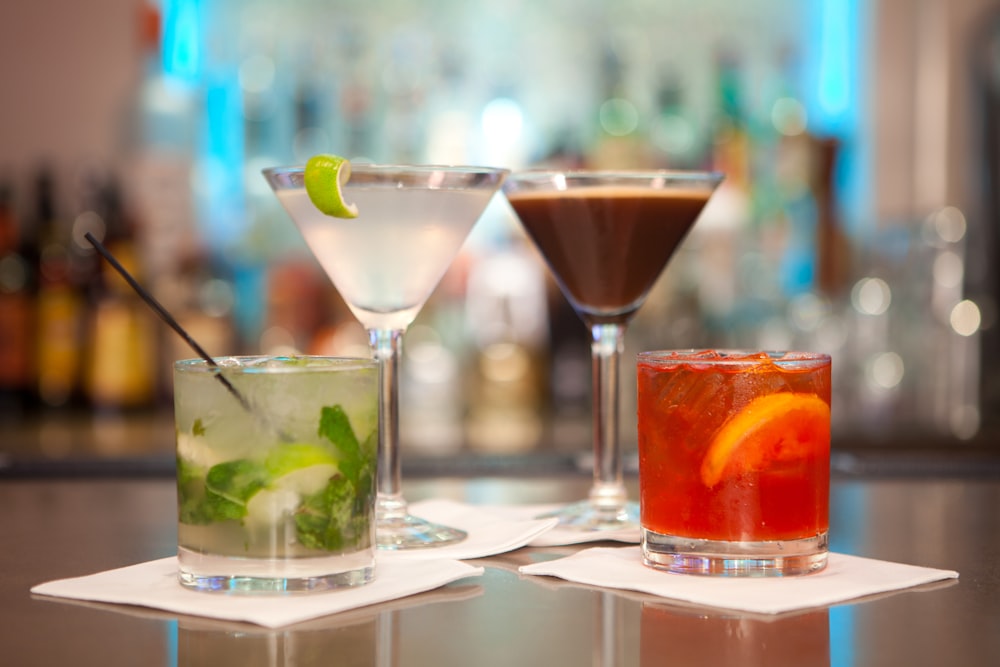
(85, 447)
(859, 216)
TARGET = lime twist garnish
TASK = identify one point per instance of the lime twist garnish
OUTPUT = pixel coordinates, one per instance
(324, 176)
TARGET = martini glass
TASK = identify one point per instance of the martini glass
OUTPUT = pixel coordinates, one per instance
(606, 237)
(385, 263)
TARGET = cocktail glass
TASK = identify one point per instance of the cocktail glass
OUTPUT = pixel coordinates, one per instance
(385, 263)
(276, 490)
(734, 461)
(607, 236)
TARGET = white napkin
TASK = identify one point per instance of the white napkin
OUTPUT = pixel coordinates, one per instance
(154, 584)
(844, 578)
(490, 532)
(560, 536)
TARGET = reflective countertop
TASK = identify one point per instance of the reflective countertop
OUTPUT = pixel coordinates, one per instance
(63, 526)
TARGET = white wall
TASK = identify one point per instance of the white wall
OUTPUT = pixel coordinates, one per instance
(924, 135)
(66, 68)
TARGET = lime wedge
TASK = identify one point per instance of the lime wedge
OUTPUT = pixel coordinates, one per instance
(324, 176)
(289, 457)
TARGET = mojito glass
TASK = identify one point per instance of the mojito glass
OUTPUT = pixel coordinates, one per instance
(276, 472)
(734, 461)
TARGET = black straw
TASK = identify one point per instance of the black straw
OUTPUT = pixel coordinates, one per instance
(165, 316)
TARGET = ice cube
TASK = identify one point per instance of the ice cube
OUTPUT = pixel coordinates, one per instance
(268, 507)
(195, 450)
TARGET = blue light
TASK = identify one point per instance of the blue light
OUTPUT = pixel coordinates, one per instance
(848, 515)
(182, 39)
(835, 54)
(834, 94)
(832, 98)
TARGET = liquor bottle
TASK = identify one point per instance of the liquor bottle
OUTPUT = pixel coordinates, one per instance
(59, 303)
(620, 142)
(832, 248)
(731, 151)
(506, 312)
(17, 287)
(121, 362)
(674, 133)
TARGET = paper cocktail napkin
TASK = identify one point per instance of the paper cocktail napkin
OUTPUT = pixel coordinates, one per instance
(560, 536)
(844, 578)
(398, 574)
(490, 531)
(154, 584)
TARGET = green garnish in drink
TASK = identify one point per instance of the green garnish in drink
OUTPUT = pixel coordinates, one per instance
(324, 174)
(327, 480)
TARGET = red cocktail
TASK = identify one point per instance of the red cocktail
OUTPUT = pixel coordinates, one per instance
(734, 461)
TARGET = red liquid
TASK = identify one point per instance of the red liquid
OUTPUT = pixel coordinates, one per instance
(707, 638)
(768, 490)
(607, 245)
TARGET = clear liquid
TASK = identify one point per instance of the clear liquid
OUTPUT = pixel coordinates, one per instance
(386, 262)
(214, 429)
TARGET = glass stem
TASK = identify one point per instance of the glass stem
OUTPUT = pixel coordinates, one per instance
(386, 345)
(607, 344)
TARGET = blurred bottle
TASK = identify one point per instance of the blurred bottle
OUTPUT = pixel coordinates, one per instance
(203, 304)
(620, 142)
(120, 371)
(718, 236)
(832, 246)
(674, 133)
(17, 298)
(60, 303)
(506, 315)
(731, 135)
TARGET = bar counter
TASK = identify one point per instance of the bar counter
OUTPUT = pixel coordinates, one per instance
(58, 526)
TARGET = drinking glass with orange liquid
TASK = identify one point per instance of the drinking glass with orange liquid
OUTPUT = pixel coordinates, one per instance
(734, 461)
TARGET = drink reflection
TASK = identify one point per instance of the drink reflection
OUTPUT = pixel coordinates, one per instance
(693, 637)
(355, 642)
(364, 637)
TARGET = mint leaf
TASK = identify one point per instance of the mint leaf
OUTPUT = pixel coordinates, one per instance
(191, 494)
(220, 495)
(198, 428)
(333, 519)
(188, 472)
(336, 518)
(336, 427)
(229, 485)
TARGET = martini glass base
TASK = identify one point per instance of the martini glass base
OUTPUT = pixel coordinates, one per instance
(410, 532)
(586, 515)
(396, 529)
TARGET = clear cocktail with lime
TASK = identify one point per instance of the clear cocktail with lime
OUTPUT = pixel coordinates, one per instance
(276, 490)
(386, 235)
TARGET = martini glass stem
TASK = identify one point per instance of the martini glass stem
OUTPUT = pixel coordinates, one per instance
(395, 527)
(386, 345)
(608, 491)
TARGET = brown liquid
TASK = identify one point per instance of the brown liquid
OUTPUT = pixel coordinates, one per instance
(607, 245)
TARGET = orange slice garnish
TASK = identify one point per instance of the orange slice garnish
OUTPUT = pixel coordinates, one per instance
(773, 428)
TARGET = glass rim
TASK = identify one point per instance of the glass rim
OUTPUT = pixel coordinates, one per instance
(301, 364)
(392, 168)
(731, 357)
(394, 176)
(589, 177)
